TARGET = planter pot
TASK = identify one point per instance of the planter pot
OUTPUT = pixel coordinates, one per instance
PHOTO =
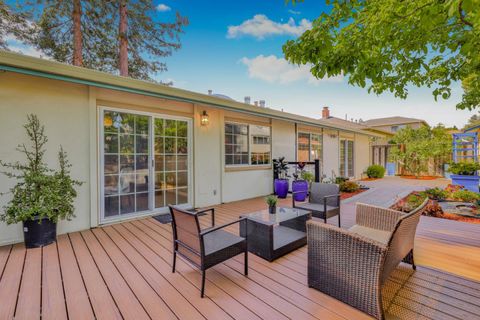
(281, 188)
(39, 232)
(302, 186)
(469, 182)
(272, 209)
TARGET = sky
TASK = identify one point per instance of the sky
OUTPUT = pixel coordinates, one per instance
(235, 48)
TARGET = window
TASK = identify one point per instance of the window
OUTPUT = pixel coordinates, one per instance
(346, 158)
(309, 146)
(145, 163)
(247, 144)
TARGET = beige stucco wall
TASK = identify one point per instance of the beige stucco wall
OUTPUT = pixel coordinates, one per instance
(283, 140)
(65, 115)
(362, 153)
(330, 153)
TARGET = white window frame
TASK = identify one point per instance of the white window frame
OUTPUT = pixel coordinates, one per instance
(310, 145)
(151, 185)
(249, 145)
(345, 141)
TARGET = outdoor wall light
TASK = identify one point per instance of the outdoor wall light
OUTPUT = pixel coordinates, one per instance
(204, 118)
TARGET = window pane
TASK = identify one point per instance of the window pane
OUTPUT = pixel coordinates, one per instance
(142, 182)
(142, 144)
(127, 183)
(159, 180)
(171, 196)
(159, 163)
(228, 159)
(111, 164)
(170, 128)
(182, 128)
(182, 145)
(159, 127)
(141, 162)
(141, 125)
(111, 143)
(170, 145)
(160, 199)
(182, 195)
(170, 163)
(303, 147)
(159, 145)
(108, 119)
(141, 201)
(111, 185)
(182, 179)
(171, 180)
(126, 143)
(342, 158)
(126, 122)
(127, 163)
(111, 206)
(127, 204)
(182, 163)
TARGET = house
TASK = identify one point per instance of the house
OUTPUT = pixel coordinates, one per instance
(139, 146)
(393, 124)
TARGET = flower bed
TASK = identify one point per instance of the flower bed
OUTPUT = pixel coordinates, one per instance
(453, 203)
(420, 177)
(346, 195)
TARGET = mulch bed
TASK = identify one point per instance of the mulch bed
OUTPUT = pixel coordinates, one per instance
(346, 195)
(369, 179)
(434, 210)
(420, 178)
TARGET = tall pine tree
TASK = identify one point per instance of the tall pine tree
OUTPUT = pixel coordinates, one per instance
(11, 24)
(143, 39)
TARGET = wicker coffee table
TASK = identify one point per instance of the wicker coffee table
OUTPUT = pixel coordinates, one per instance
(271, 236)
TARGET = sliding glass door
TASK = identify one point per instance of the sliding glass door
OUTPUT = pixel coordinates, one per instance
(145, 163)
(346, 158)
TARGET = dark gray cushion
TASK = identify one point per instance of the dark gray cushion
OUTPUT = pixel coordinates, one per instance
(319, 190)
(219, 240)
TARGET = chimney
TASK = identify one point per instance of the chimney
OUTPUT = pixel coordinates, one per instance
(262, 103)
(247, 99)
(256, 103)
(325, 113)
(210, 92)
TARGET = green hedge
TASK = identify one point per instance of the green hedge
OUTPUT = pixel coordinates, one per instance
(375, 171)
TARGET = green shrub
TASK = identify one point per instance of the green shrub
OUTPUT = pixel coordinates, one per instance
(340, 180)
(375, 171)
(349, 186)
(464, 168)
(465, 196)
(307, 176)
(436, 193)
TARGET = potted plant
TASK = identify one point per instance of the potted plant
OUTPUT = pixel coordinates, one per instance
(280, 166)
(272, 203)
(42, 195)
(465, 174)
(299, 185)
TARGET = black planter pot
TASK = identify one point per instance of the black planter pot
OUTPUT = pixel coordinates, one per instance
(272, 209)
(39, 232)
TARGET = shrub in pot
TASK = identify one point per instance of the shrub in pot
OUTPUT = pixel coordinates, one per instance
(42, 195)
(280, 167)
(375, 171)
(299, 185)
(465, 174)
(272, 203)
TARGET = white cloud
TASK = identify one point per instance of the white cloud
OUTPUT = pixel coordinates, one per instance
(277, 70)
(294, 12)
(261, 26)
(18, 46)
(163, 7)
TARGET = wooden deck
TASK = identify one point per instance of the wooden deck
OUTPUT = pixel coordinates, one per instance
(124, 271)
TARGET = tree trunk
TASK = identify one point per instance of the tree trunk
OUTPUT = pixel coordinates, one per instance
(77, 33)
(123, 38)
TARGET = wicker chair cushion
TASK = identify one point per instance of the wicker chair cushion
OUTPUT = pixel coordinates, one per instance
(219, 240)
(319, 190)
(374, 234)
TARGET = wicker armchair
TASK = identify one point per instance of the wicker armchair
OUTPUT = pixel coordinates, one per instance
(323, 201)
(352, 265)
(204, 248)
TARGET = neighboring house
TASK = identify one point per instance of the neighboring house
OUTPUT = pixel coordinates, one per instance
(140, 146)
(393, 124)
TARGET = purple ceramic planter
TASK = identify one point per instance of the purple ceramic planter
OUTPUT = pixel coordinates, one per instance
(281, 188)
(300, 185)
(469, 182)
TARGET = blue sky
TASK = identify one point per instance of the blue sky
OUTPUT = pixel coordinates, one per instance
(235, 48)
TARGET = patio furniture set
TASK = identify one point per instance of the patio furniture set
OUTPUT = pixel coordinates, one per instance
(349, 265)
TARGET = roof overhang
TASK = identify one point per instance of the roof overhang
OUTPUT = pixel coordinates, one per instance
(14, 62)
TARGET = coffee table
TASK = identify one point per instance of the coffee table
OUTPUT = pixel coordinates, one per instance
(271, 236)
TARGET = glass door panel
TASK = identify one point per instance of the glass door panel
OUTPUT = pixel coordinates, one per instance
(171, 162)
(126, 163)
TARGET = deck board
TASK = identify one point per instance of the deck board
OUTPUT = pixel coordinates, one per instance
(123, 271)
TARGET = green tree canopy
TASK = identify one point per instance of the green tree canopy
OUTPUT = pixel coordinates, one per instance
(387, 45)
(415, 148)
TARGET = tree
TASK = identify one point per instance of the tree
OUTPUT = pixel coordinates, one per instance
(142, 39)
(474, 120)
(388, 45)
(415, 148)
(76, 32)
(11, 23)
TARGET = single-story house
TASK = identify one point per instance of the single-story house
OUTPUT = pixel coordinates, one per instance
(139, 146)
(393, 124)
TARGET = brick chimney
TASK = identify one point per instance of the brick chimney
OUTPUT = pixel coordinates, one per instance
(325, 113)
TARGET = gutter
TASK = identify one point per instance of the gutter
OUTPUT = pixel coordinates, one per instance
(13, 62)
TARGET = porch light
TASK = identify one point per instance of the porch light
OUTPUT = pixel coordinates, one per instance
(204, 118)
